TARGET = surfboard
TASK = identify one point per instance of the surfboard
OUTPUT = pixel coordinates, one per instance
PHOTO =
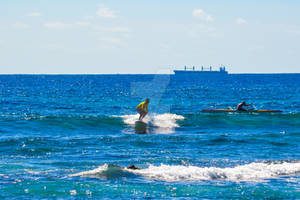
(232, 110)
(140, 127)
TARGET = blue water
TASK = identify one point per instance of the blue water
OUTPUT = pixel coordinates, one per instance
(72, 136)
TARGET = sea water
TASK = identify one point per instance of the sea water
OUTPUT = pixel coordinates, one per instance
(72, 136)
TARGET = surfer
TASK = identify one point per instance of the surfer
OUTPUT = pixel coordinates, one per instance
(142, 109)
(241, 105)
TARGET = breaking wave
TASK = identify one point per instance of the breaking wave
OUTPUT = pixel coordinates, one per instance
(173, 173)
(162, 121)
(166, 120)
(245, 120)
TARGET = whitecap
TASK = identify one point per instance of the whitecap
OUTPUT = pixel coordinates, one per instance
(249, 172)
(176, 173)
(166, 120)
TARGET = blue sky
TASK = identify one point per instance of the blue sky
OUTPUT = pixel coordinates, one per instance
(115, 36)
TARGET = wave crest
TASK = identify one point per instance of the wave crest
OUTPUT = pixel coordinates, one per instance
(173, 173)
(249, 172)
(166, 120)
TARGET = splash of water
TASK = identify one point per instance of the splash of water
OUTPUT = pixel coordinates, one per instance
(249, 172)
(173, 173)
(166, 120)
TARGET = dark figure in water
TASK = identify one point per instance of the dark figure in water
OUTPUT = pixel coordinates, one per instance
(132, 167)
(241, 105)
(129, 167)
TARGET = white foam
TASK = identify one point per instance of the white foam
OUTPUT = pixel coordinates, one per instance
(173, 173)
(166, 120)
(130, 119)
(93, 172)
(249, 172)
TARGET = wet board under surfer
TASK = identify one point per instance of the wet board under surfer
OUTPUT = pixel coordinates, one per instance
(140, 127)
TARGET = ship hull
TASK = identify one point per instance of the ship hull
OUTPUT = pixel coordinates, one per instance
(200, 73)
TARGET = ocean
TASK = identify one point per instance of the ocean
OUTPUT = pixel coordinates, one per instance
(72, 137)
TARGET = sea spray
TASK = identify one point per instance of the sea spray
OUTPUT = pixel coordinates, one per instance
(255, 171)
(166, 120)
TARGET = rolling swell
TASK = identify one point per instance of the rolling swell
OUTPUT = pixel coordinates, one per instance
(255, 171)
(54, 126)
(241, 120)
(166, 120)
(66, 121)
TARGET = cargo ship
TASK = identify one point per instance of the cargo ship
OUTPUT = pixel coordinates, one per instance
(204, 72)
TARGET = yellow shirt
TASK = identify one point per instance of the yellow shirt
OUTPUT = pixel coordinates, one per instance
(143, 106)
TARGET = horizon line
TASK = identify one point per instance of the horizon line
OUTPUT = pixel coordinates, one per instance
(258, 73)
